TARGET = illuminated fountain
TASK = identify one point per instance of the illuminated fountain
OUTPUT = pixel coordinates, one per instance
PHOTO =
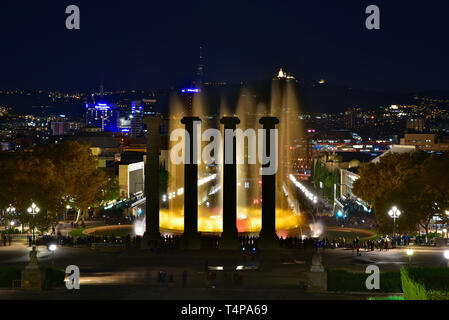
(316, 229)
(285, 107)
(139, 227)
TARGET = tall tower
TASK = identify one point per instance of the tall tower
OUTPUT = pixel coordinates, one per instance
(101, 91)
(200, 70)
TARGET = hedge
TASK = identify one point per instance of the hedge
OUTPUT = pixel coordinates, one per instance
(345, 281)
(8, 274)
(54, 276)
(425, 283)
(10, 231)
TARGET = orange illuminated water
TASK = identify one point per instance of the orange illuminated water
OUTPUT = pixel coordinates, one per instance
(248, 220)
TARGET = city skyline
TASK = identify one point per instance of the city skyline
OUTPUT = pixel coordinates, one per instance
(224, 151)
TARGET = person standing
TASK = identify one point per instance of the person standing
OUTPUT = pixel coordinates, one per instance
(213, 279)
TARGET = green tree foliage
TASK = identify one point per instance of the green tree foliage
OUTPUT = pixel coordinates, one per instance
(417, 183)
(327, 177)
(53, 177)
(109, 190)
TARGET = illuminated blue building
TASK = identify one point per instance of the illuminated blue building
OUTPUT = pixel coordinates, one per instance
(137, 114)
(103, 116)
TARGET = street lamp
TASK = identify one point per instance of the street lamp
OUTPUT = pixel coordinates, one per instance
(52, 248)
(446, 256)
(67, 207)
(10, 210)
(410, 254)
(394, 213)
(33, 210)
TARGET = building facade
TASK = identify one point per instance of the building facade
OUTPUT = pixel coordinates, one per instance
(104, 116)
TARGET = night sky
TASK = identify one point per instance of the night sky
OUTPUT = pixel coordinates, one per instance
(155, 44)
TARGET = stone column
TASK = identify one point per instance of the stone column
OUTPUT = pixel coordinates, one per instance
(152, 180)
(229, 238)
(267, 237)
(191, 238)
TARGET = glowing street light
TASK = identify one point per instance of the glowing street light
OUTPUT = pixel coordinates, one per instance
(410, 254)
(67, 208)
(446, 256)
(10, 210)
(33, 210)
(394, 213)
(52, 248)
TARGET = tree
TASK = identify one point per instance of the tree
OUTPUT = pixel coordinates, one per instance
(109, 190)
(28, 179)
(53, 177)
(417, 183)
(77, 175)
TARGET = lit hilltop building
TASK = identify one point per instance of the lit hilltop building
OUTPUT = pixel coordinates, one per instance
(284, 75)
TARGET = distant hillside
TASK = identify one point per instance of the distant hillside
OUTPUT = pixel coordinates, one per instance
(313, 97)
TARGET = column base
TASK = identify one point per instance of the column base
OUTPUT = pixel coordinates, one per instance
(317, 281)
(191, 241)
(148, 237)
(268, 242)
(228, 242)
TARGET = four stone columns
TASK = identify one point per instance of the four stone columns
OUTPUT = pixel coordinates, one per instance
(191, 239)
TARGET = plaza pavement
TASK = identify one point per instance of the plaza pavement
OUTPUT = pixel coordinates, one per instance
(132, 273)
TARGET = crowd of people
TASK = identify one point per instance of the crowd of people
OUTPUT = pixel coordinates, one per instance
(6, 240)
(248, 243)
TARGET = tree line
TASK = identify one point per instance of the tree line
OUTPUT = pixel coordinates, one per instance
(53, 177)
(417, 183)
